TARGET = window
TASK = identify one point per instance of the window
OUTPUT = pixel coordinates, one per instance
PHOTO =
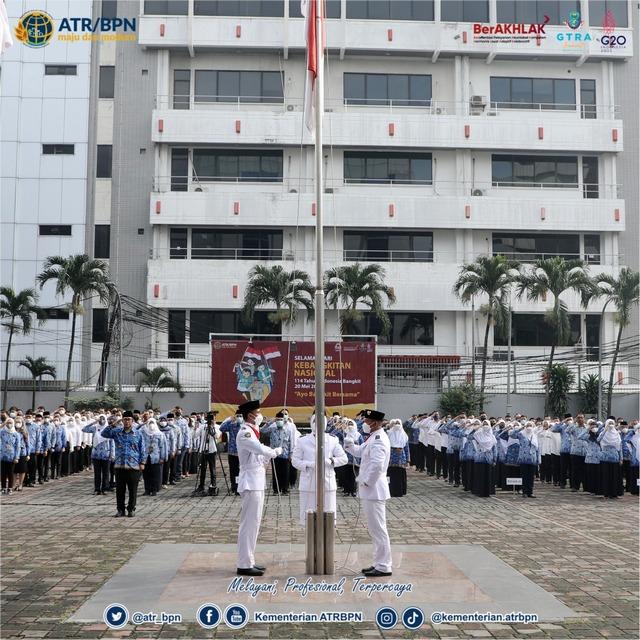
(384, 168)
(99, 325)
(533, 93)
(588, 99)
(60, 70)
(617, 9)
(465, 11)
(388, 246)
(106, 82)
(103, 161)
(255, 8)
(590, 176)
(109, 8)
(245, 86)
(248, 244)
(165, 7)
(530, 247)
(54, 230)
(178, 243)
(532, 330)
(390, 9)
(179, 169)
(406, 328)
(101, 240)
(529, 171)
(243, 166)
(58, 149)
(379, 88)
(534, 11)
(52, 313)
(332, 8)
(202, 323)
(592, 249)
(177, 333)
(181, 88)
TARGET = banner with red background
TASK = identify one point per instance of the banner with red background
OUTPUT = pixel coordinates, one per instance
(282, 374)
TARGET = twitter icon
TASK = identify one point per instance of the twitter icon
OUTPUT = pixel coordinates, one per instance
(115, 616)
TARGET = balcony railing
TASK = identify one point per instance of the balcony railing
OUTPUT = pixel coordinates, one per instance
(425, 106)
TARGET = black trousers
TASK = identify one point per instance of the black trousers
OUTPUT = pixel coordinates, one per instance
(626, 475)
(6, 473)
(413, 453)
(152, 476)
(166, 468)
(64, 461)
(483, 483)
(610, 479)
(591, 478)
(207, 460)
(438, 462)
(444, 463)
(633, 472)
(100, 474)
(127, 480)
(467, 474)
(430, 459)
(565, 469)
(511, 471)
(545, 468)
(281, 472)
(234, 470)
(112, 475)
(555, 468)
(453, 464)
(293, 475)
(349, 478)
(40, 465)
(397, 481)
(422, 456)
(527, 472)
(77, 460)
(46, 463)
(31, 469)
(55, 464)
(577, 471)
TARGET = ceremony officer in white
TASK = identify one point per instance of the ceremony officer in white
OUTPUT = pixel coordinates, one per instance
(304, 459)
(253, 458)
(374, 457)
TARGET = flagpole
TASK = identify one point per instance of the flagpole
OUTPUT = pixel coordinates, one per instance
(319, 298)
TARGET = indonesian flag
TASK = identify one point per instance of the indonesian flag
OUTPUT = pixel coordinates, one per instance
(250, 352)
(5, 30)
(309, 9)
(271, 352)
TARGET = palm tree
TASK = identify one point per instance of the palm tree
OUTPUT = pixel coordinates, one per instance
(288, 290)
(555, 276)
(85, 277)
(354, 284)
(624, 293)
(490, 276)
(16, 309)
(38, 368)
(156, 379)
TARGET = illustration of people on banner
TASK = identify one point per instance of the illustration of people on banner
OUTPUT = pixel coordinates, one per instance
(255, 378)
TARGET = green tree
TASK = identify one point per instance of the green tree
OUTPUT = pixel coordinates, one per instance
(85, 277)
(555, 276)
(287, 290)
(16, 311)
(157, 379)
(354, 284)
(490, 276)
(560, 380)
(589, 393)
(624, 293)
(38, 367)
(462, 398)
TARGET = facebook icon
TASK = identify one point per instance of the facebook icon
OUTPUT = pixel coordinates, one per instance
(209, 616)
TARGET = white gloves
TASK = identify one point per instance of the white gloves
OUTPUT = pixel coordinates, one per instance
(328, 462)
(277, 451)
(348, 442)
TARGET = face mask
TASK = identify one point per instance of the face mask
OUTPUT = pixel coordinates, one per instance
(366, 428)
(239, 419)
(171, 422)
(258, 420)
(163, 423)
(279, 424)
(594, 429)
(12, 414)
(529, 430)
(624, 430)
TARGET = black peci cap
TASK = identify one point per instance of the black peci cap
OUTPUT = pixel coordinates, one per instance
(246, 408)
(372, 414)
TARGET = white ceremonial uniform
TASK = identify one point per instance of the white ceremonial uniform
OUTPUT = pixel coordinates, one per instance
(253, 457)
(304, 459)
(373, 489)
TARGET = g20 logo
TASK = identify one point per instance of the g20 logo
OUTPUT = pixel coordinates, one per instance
(613, 41)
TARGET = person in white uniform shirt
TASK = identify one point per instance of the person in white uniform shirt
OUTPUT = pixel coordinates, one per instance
(374, 457)
(304, 459)
(294, 435)
(253, 457)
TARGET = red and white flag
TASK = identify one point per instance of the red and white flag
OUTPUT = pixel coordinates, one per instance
(271, 352)
(309, 9)
(250, 352)
(6, 40)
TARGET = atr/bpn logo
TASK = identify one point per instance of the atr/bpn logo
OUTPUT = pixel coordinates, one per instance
(35, 29)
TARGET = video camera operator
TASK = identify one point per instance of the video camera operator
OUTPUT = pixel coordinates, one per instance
(206, 438)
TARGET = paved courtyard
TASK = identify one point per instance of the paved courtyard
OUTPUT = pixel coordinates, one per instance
(60, 546)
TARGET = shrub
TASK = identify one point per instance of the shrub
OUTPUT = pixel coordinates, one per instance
(464, 398)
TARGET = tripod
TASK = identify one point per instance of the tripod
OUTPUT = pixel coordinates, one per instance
(203, 462)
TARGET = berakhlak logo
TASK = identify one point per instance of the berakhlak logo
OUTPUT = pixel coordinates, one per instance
(209, 616)
(35, 29)
(574, 20)
(236, 616)
(115, 616)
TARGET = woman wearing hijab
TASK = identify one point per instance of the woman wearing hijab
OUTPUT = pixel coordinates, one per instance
(466, 454)
(528, 455)
(20, 468)
(511, 465)
(610, 461)
(102, 453)
(633, 440)
(398, 460)
(485, 456)
(352, 467)
(9, 453)
(591, 469)
(157, 454)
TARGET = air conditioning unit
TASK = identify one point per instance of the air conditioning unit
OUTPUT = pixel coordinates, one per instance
(492, 112)
(477, 192)
(478, 101)
(329, 190)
